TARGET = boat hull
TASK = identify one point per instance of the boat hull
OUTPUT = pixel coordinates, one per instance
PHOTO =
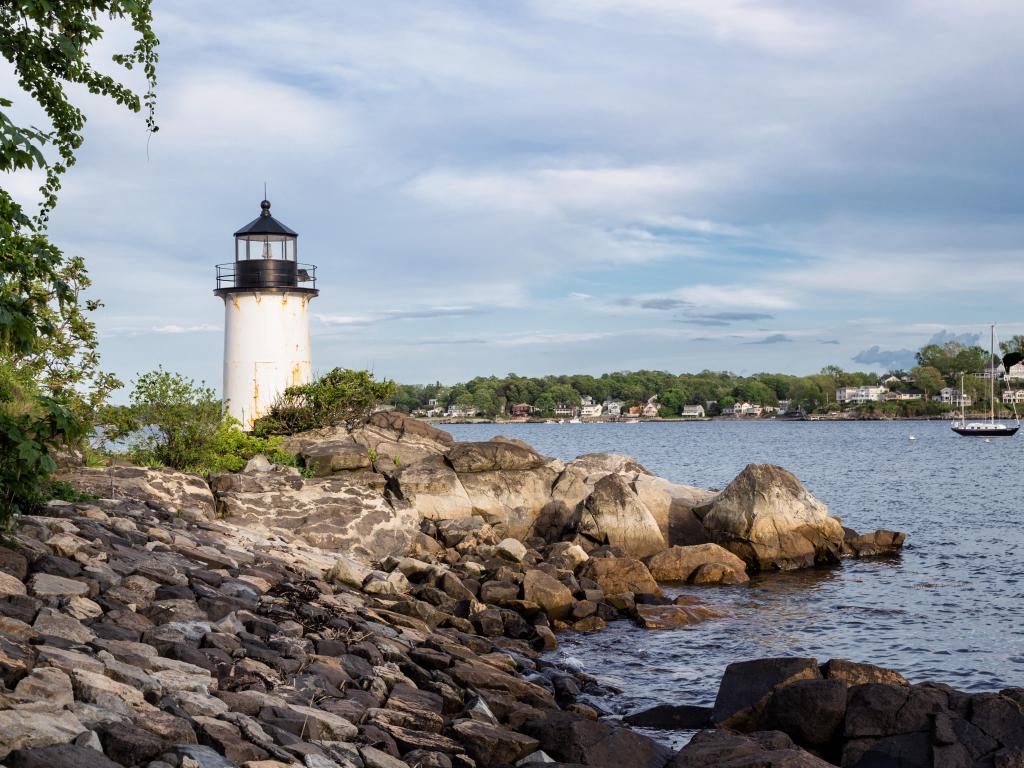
(986, 431)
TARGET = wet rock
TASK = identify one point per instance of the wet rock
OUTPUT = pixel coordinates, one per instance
(747, 685)
(880, 542)
(854, 673)
(613, 514)
(616, 575)
(681, 563)
(667, 616)
(767, 518)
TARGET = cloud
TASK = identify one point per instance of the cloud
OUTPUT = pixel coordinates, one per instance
(775, 338)
(890, 359)
(399, 314)
(944, 337)
(829, 341)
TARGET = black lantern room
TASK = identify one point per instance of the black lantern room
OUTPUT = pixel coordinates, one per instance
(266, 259)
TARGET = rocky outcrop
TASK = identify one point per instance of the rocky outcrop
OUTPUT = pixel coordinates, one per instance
(767, 518)
(857, 716)
(672, 506)
(434, 490)
(685, 563)
(618, 575)
(335, 512)
(185, 492)
(613, 514)
(337, 455)
(580, 475)
(400, 439)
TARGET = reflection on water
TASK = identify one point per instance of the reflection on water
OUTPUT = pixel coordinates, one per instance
(948, 609)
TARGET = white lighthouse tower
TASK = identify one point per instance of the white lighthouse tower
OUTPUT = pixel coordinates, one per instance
(266, 296)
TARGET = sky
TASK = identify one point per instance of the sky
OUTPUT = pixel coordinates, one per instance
(566, 186)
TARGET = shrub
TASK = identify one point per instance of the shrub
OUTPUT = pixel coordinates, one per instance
(342, 396)
(174, 422)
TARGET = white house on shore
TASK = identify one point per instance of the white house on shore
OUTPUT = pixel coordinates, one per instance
(589, 409)
(860, 395)
(693, 412)
(952, 396)
(613, 407)
(1013, 396)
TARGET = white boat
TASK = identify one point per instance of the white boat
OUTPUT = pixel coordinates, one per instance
(575, 421)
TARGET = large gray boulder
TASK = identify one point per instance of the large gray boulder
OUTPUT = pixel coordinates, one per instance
(334, 512)
(672, 505)
(338, 455)
(180, 491)
(433, 488)
(580, 475)
(506, 483)
(766, 517)
(400, 439)
(613, 514)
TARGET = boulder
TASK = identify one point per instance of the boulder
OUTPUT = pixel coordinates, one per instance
(811, 712)
(554, 598)
(672, 506)
(595, 743)
(681, 563)
(510, 549)
(326, 458)
(24, 729)
(854, 673)
(724, 749)
(580, 475)
(747, 686)
(881, 542)
(512, 495)
(613, 514)
(434, 490)
(333, 512)
(615, 575)
(766, 517)
(556, 521)
(668, 616)
(392, 435)
(164, 487)
(60, 756)
(494, 455)
(669, 717)
(490, 744)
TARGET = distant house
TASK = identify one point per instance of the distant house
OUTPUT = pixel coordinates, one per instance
(743, 409)
(1013, 396)
(650, 410)
(432, 402)
(613, 407)
(910, 394)
(1015, 373)
(521, 409)
(860, 395)
(634, 411)
(891, 381)
(990, 371)
(952, 396)
(462, 411)
(693, 412)
(564, 409)
(591, 410)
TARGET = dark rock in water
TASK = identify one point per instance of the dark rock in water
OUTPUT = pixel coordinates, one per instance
(758, 750)
(879, 709)
(747, 686)
(595, 743)
(59, 756)
(881, 542)
(811, 712)
(667, 717)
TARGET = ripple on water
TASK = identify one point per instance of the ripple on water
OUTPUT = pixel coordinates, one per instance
(949, 609)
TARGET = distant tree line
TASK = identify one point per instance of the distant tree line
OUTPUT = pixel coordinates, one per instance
(939, 365)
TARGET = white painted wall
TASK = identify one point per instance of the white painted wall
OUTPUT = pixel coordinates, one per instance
(266, 349)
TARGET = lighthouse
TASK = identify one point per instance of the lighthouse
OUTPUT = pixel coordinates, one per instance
(266, 294)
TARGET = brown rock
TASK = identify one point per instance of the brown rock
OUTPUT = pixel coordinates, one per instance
(667, 616)
(620, 574)
(493, 745)
(747, 685)
(681, 563)
(554, 598)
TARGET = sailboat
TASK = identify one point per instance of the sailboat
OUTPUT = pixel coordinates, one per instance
(990, 428)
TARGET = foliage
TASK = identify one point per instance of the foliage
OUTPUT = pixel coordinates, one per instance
(953, 359)
(341, 396)
(32, 426)
(43, 331)
(928, 379)
(174, 422)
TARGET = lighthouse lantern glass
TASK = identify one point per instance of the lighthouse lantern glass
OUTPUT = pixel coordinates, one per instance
(281, 247)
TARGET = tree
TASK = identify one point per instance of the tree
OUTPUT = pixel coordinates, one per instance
(928, 379)
(341, 396)
(42, 330)
(1012, 344)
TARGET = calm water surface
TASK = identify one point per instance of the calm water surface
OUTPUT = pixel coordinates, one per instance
(948, 609)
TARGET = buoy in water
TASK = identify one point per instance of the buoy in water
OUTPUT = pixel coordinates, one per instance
(911, 438)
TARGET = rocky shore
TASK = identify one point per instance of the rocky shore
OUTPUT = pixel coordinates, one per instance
(393, 610)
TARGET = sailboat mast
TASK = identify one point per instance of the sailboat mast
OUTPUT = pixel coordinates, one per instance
(992, 376)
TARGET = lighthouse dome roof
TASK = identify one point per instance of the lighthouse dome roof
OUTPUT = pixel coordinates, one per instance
(265, 224)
